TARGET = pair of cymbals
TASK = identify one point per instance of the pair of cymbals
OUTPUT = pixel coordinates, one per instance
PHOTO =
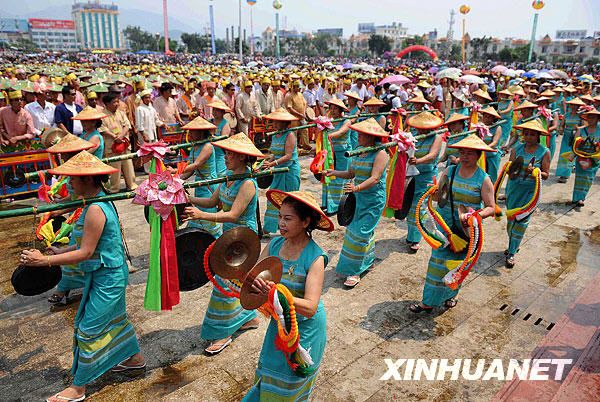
(235, 255)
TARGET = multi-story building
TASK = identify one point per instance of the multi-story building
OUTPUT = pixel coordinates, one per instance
(335, 32)
(13, 29)
(54, 34)
(396, 32)
(97, 25)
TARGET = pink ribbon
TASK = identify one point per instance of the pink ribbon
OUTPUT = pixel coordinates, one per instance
(400, 111)
(482, 130)
(542, 110)
(476, 106)
(161, 191)
(405, 140)
(323, 122)
(585, 108)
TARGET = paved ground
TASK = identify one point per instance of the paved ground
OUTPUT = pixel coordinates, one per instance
(501, 314)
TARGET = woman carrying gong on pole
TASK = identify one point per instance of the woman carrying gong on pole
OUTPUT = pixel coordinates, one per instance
(304, 265)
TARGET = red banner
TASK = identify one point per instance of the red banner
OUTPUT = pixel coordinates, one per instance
(38, 23)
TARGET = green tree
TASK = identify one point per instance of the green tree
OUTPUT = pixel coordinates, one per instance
(456, 53)
(379, 44)
(173, 45)
(522, 52)
(479, 44)
(321, 43)
(139, 39)
(221, 46)
(26, 45)
(196, 43)
(592, 61)
(506, 55)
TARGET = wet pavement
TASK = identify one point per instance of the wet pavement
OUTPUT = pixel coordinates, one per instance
(502, 313)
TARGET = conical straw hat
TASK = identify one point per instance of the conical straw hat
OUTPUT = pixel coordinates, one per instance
(594, 112)
(419, 99)
(353, 95)
(535, 125)
(472, 142)
(83, 164)
(482, 94)
(70, 143)
(526, 105)
(576, 102)
(374, 102)
(491, 111)
(369, 127)
(456, 117)
(276, 197)
(241, 144)
(219, 104)
(425, 121)
(199, 123)
(339, 103)
(89, 113)
(281, 115)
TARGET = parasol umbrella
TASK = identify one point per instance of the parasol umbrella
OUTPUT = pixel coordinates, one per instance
(499, 69)
(433, 70)
(471, 72)
(544, 75)
(252, 64)
(471, 79)
(534, 71)
(347, 66)
(452, 73)
(327, 64)
(558, 74)
(586, 78)
(394, 79)
(520, 72)
(528, 74)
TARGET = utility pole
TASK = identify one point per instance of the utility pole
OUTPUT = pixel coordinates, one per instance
(166, 27)
(212, 29)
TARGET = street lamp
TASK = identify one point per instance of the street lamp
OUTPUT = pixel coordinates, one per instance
(537, 5)
(277, 6)
(464, 10)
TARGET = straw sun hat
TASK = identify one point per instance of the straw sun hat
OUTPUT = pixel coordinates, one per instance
(281, 114)
(276, 197)
(70, 143)
(472, 142)
(369, 127)
(89, 113)
(219, 104)
(425, 121)
(241, 144)
(337, 102)
(83, 164)
(535, 125)
(199, 123)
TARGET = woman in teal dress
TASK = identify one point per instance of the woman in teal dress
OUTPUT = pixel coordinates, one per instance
(201, 163)
(492, 159)
(549, 141)
(505, 110)
(586, 168)
(520, 190)
(369, 173)
(470, 187)
(353, 109)
(460, 103)
(91, 120)
(220, 109)
(72, 277)
(284, 153)
(565, 166)
(104, 338)
(225, 315)
(304, 265)
(525, 110)
(340, 142)
(373, 105)
(425, 160)
(455, 124)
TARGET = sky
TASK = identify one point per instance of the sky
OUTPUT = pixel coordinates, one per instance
(498, 18)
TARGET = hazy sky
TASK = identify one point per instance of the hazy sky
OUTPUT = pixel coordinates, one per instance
(501, 18)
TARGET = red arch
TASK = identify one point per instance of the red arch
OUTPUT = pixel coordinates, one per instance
(417, 48)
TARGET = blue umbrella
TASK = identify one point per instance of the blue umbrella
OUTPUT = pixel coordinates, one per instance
(528, 75)
(347, 65)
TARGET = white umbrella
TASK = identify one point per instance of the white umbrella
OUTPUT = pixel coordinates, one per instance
(499, 69)
(471, 79)
(558, 74)
(327, 64)
(252, 64)
(452, 73)
(510, 72)
(547, 76)
(520, 72)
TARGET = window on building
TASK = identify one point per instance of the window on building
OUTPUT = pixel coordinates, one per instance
(544, 49)
(582, 49)
(597, 51)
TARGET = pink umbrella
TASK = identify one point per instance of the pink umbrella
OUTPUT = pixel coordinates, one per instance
(499, 69)
(394, 79)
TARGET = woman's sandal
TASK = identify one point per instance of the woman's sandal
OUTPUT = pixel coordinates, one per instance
(124, 367)
(219, 347)
(56, 299)
(579, 204)
(417, 308)
(510, 261)
(66, 398)
(450, 303)
(352, 281)
(414, 247)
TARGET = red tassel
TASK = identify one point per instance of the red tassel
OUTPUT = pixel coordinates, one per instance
(396, 196)
(168, 265)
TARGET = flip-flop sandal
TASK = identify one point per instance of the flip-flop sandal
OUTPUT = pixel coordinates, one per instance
(122, 367)
(249, 327)
(56, 299)
(220, 349)
(67, 399)
(450, 303)
(510, 261)
(352, 281)
(414, 247)
(417, 308)
(579, 204)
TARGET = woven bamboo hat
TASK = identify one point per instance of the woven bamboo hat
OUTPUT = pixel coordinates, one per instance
(219, 104)
(505, 92)
(369, 127)
(337, 102)
(241, 144)
(70, 143)
(593, 112)
(535, 125)
(526, 105)
(454, 117)
(280, 114)
(482, 94)
(83, 164)
(419, 99)
(425, 121)
(276, 197)
(374, 102)
(89, 113)
(548, 93)
(199, 123)
(490, 111)
(472, 142)
(576, 102)
(52, 136)
(353, 95)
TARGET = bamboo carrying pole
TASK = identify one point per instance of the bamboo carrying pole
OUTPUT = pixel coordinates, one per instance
(130, 194)
(118, 158)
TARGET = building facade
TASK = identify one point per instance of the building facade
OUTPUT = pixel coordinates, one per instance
(396, 32)
(54, 35)
(13, 29)
(97, 25)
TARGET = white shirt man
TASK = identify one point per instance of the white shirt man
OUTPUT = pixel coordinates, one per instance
(43, 116)
(361, 90)
(146, 118)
